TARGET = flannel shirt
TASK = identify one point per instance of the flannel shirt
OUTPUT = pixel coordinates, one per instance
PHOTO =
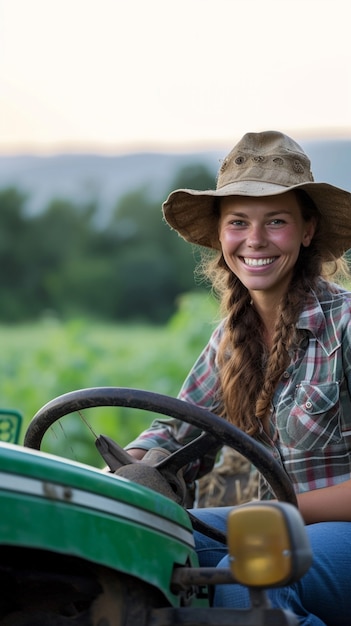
(310, 425)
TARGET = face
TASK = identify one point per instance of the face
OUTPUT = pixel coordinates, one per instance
(261, 240)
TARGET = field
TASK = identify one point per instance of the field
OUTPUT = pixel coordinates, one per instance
(49, 358)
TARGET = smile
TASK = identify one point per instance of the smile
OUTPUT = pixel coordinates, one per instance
(258, 262)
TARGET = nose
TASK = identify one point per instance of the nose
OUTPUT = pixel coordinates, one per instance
(256, 237)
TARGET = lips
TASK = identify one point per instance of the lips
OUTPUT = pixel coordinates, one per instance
(259, 262)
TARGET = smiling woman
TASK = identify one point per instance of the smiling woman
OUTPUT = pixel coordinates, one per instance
(279, 364)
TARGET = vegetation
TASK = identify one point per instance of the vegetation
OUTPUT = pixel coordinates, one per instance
(67, 263)
(87, 302)
(46, 359)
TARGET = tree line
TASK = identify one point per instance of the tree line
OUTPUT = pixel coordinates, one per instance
(62, 262)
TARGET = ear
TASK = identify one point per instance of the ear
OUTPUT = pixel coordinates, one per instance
(310, 229)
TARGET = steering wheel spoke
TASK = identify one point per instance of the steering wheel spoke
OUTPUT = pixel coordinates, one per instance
(187, 454)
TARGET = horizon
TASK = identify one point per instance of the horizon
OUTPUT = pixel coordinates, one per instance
(307, 137)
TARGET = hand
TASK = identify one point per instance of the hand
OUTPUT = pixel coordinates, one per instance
(137, 453)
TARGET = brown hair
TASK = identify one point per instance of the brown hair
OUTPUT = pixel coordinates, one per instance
(249, 372)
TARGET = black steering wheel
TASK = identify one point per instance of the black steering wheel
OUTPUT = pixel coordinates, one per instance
(216, 433)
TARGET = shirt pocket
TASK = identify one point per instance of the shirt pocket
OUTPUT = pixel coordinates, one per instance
(314, 421)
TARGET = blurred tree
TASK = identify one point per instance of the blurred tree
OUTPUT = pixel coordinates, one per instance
(64, 256)
(133, 269)
(152, 265)
(194, 176)
(14, 279)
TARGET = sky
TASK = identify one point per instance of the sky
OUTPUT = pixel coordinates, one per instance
(117, 76)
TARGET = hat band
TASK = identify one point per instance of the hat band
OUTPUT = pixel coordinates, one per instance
(284, 170)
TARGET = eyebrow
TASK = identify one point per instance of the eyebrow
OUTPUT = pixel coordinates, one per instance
(269, 214)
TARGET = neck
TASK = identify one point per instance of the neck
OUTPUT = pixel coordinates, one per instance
(267, 309)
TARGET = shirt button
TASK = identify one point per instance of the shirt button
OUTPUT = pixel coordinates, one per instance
(286, 374)
(308, 405)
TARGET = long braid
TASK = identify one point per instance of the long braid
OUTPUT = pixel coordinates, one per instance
(248, 372)
(285, 339)
(240, 358)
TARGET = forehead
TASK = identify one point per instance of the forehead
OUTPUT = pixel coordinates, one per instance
(282, 202)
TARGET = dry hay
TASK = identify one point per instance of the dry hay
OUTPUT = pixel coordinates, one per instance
(232, 481)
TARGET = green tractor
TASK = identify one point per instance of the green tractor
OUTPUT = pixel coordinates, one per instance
(84, 547)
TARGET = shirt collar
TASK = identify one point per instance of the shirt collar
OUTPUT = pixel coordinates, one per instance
(313, 319)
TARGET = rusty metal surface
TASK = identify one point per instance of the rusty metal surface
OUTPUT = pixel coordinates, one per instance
(188, 576)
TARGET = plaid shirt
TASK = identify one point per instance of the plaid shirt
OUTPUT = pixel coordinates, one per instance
(310, 426)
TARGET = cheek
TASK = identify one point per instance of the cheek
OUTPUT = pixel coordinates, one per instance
(220, 233)
(288, 241)
(228, 239)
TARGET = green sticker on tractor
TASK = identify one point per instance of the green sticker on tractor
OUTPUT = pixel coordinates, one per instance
(10, 425)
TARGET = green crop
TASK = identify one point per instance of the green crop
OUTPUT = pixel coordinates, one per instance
(49, 358)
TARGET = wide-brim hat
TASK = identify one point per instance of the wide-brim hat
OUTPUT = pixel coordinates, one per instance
(261, 164)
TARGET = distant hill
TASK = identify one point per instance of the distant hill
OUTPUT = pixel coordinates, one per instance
(80, 177)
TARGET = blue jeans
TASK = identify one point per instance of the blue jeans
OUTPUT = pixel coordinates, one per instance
(323, 595)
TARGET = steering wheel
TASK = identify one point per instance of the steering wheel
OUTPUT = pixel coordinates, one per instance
(216, 433)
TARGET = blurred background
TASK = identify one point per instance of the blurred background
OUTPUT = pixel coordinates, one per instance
(105, 107)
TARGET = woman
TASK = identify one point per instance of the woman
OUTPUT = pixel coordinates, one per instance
(279, 364)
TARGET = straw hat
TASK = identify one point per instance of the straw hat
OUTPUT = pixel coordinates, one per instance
(261, 164)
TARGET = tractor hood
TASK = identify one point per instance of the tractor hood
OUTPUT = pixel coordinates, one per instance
(70, 508)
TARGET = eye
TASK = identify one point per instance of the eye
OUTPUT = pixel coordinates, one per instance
(277, 221)
(237, 223)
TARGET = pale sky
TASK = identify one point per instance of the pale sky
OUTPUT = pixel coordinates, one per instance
(113, 76)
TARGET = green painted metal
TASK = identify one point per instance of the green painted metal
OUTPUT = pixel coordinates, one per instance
(69, 508)
(36, 464)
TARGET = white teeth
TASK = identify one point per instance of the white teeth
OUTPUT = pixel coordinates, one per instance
(258, 262)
